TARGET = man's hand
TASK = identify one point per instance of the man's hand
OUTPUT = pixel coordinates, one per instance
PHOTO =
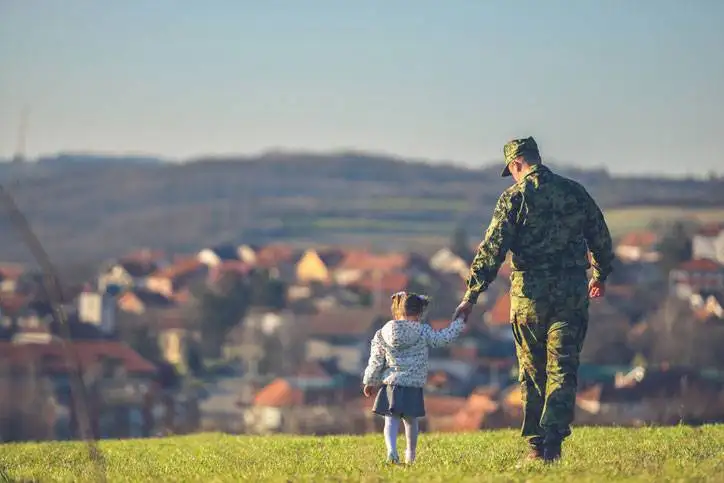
(463, 310)
(596, 289)
(368, 390)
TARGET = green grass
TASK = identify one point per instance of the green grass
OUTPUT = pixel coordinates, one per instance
(417, 204)
(371, 225)
(591, 454)
(621, 220)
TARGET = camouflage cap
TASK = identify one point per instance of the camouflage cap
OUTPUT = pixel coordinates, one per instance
(518, 147)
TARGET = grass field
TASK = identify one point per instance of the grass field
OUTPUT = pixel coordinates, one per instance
(591, 454)
(621, 220)
(417, 204)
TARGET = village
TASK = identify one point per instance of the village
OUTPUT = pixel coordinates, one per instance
(274, 339)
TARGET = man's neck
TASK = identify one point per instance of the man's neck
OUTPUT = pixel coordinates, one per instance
(531, 168)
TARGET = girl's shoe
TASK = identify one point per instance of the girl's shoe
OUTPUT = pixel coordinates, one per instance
(409, 459)
(393, 459)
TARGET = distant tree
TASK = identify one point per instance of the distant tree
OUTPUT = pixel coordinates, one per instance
(194, 359)
(459, 244)
(144, 341)
(267, 291)
(675, 336)
(418, 285)
(606, 342)
(365, 298)
(221, 309)
(135, 330)
(675, 246)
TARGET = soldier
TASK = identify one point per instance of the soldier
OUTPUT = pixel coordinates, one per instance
(548, 223)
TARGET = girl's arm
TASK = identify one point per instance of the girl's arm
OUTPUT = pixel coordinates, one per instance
(440, 338)
(375, 364)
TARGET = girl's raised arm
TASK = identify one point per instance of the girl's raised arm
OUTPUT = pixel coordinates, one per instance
(441, 338)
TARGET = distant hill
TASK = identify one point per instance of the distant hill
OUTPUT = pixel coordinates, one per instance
(91, 207)
(84, 158)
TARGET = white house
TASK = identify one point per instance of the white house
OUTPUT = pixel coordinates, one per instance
(214, 256)
(98, 309)
(708, 244)
(445, 261)
(695, 276)
(639, 246)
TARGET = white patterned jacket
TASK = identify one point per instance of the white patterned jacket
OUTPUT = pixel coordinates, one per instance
(399, 350)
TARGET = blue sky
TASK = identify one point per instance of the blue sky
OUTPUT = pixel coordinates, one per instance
(631, 85)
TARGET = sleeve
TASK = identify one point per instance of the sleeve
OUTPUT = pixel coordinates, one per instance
(440, 338)
(494, 247)
(598, 239)
(376, 363)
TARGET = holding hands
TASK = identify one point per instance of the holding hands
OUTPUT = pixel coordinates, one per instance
(463, 311)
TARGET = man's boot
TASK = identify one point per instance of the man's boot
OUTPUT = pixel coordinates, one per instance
(552, 451)
(536, 450)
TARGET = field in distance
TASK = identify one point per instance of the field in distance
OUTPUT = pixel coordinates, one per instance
(591, 454)
(622, 220)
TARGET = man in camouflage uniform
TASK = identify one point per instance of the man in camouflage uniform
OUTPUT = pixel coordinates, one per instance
(548, 223)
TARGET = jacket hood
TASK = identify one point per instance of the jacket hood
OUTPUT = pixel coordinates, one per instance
(401, 334)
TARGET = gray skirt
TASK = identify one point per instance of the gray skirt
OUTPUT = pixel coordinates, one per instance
(400, 401)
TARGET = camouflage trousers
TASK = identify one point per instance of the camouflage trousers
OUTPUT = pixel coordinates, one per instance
(549, 320)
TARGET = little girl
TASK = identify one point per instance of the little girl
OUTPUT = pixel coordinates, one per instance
(398, 363)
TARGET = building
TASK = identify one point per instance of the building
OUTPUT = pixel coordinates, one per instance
(639, 246)
(696, 276)
(708, 243)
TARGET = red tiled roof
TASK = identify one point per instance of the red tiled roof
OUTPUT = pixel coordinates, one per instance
(366, 261)
(500, 313)
(173, 318)
(443, 405)
(11, 304)
(701, 265)
(330, 256)
(623, 291)
(233, 267)
(144, 255)
(702, 314)
(472, 415)
(593, 393)
(438, 378)
(275, 254)
(236, 266)
(388, 282)
(183, 296)
(11, 271)
(710, 230)
(279, 393)
(639, 239)
(311, 370)
(341, 322)
(179, 268)
(88, 353)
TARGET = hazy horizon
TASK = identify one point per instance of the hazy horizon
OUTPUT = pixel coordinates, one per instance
(634, 88)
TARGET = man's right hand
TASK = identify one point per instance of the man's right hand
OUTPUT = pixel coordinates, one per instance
(596, 289)
(463, 310)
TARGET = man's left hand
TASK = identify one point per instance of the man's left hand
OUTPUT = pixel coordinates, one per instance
(463, 310)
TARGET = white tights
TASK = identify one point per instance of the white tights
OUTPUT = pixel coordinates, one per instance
(392, 428)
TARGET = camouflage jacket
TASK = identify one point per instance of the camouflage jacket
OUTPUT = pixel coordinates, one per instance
(548, 223)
